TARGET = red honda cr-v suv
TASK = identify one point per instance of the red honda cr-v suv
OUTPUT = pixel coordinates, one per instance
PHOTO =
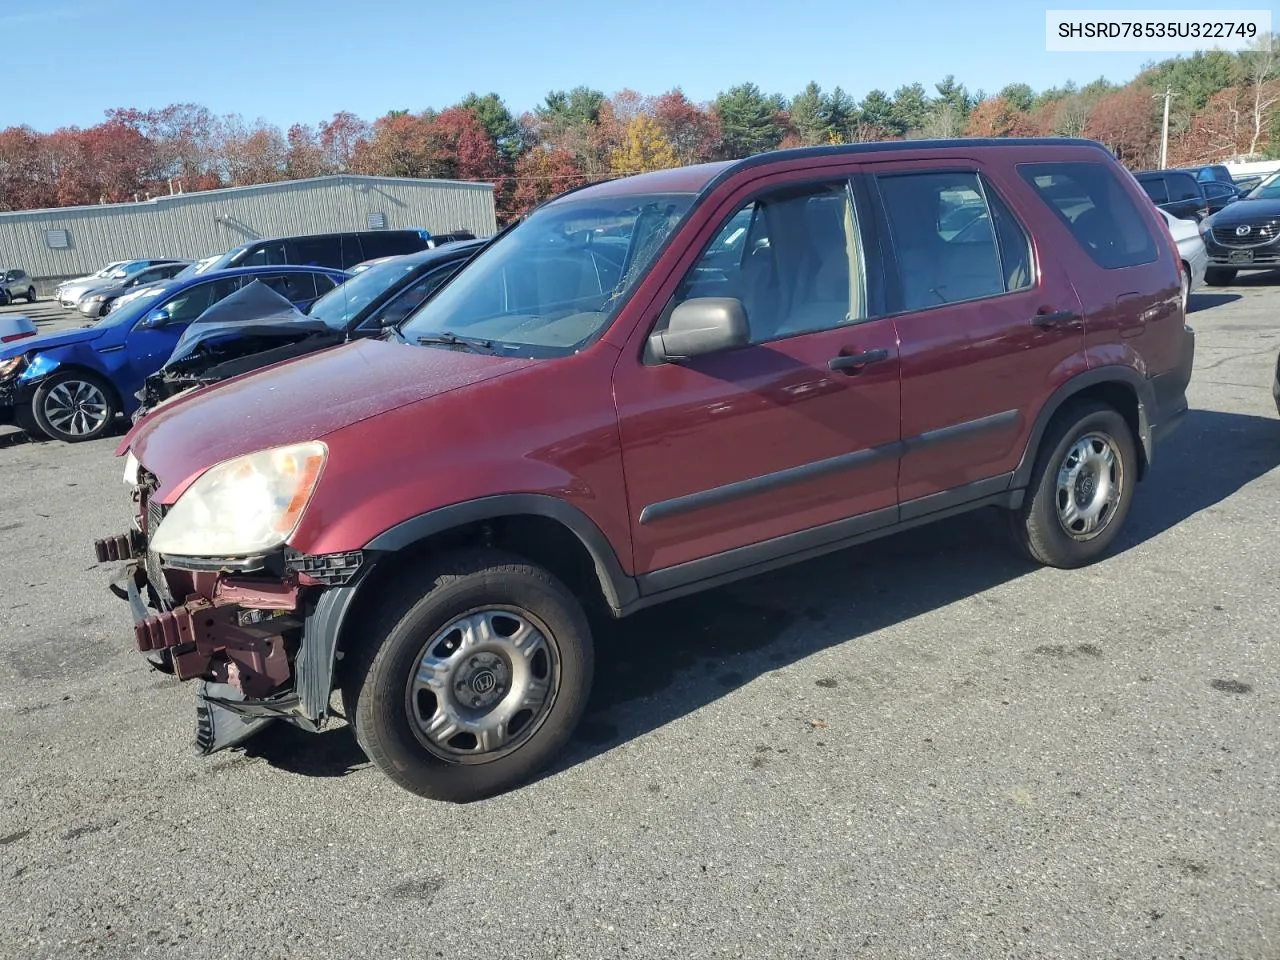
(646, 388)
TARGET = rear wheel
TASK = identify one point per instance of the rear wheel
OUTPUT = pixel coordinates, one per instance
(1081, 487)
(1219, 276)
(31, 294)
(74, 406)
(472, 676)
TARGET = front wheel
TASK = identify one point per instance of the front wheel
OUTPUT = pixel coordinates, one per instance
(1219, 276)
(472, 676)
(74, 406)
(1081, 487)
(1186, 288)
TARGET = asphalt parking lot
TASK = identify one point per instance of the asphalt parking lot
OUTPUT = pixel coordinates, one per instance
(923, 747)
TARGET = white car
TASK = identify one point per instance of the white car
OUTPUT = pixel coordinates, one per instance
(1186, 234)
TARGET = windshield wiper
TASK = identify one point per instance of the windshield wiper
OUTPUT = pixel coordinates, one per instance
(453, 340)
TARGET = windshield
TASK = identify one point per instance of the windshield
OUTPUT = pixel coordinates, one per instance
(200, 266)
(339, 306)
(1268, 189)
(552, 284)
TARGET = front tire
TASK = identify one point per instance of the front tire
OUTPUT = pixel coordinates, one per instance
(1219, 276)
(1081, 488)
(74, 406)
(471, 677)
(1186, 288)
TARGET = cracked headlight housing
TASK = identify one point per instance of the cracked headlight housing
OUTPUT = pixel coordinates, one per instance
(243, 507)
(12, 367)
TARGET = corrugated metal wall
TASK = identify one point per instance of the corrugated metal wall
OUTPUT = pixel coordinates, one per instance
(201, 224)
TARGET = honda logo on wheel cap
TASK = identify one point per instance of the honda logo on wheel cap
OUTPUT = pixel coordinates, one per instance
(1243, 230)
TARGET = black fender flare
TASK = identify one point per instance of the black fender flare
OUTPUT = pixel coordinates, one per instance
(1109, 374)
(326, 620)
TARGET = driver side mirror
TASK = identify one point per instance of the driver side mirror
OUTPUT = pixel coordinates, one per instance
(155, 319)
(700, 326)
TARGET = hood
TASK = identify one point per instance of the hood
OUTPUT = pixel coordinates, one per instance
(254, 306)
(302, 399)
(49, 341)
(1246, 211)
(78, 287)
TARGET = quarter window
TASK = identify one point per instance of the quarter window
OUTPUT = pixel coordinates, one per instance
(1155, 189)
(1093, 204)
(945, 239)
(792, 257)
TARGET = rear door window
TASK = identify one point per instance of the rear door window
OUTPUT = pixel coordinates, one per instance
(1155, 189)
(1182, 186)
(324, 283)
(953, 239)
(1092, 203)
(294, 287)
(323, 251)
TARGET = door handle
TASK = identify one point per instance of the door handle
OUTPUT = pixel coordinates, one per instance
(856, 361)
(1058, 318)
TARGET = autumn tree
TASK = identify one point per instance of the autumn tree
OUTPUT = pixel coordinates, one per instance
(340, 137)
(540, 174)
(1125, 123)
(492, 114)
(693, 133)
(643, 148)
(252, 153)
(995, 117)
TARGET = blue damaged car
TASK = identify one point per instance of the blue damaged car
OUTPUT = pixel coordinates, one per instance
(71, 385)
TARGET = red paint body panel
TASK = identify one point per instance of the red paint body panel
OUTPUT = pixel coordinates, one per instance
(303, 399)
(411, 429)
(547, 426)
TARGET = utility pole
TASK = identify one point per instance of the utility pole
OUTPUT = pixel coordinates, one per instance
(1164, 130)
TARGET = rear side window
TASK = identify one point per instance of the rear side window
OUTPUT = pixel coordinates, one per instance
(1090, 200)
(1182, 186)
(1155, 189)
(390, 244)
(952, 239)
(324, 283)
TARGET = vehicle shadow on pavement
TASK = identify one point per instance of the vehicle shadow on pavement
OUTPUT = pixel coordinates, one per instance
(1207, 301)
(333, 752)
(1208, 458)
(669, 661)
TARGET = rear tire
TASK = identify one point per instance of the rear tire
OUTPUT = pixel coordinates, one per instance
(31, 294)
(1081, 487)
(439, 682)
(1219, 276)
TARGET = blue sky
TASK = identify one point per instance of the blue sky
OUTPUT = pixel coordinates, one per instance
(66, 61)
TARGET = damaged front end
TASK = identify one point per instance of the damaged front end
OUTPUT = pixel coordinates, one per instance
(258, 634)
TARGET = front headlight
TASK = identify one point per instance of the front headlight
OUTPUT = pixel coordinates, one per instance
(131, 467)
(9, 368)
(245, 506)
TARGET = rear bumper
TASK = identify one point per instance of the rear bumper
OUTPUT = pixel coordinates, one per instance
(1168, 406)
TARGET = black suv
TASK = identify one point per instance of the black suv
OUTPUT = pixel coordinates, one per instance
(1176, 191)
(342, 251)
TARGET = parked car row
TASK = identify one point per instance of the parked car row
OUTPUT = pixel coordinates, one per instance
(647, 387)
(72, 386)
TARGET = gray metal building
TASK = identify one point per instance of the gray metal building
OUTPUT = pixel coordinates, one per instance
(72, 241)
